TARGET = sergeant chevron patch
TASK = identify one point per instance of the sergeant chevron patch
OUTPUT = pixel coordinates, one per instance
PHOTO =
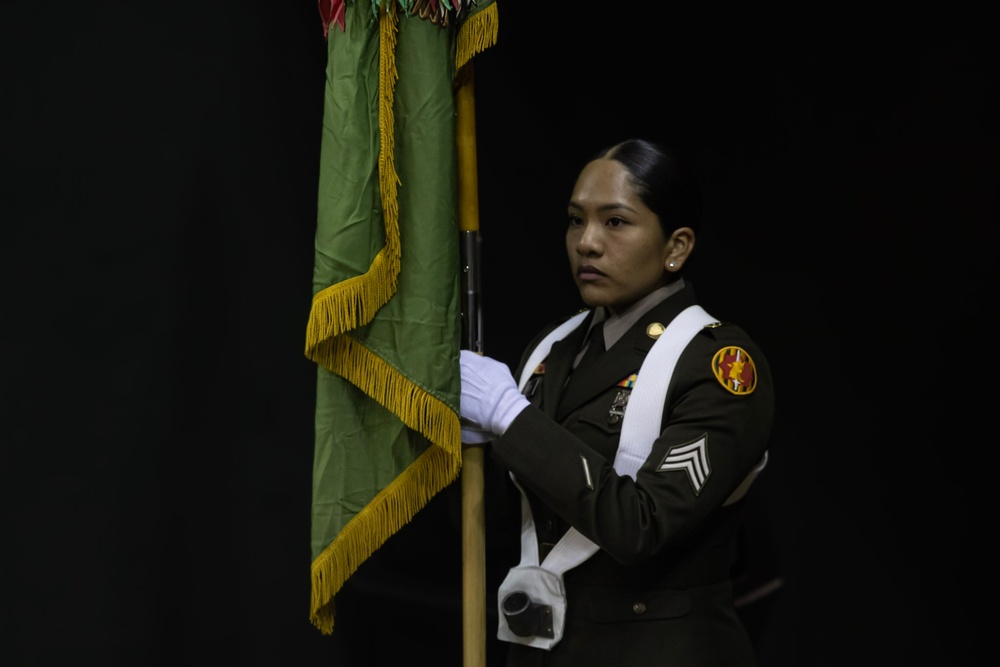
(692, 458)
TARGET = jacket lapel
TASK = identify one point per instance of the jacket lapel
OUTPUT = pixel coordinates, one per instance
(624, 358)
(558, 365)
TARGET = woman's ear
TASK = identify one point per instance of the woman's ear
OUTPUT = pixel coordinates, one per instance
(679, 246)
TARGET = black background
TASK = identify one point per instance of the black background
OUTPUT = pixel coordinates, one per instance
(160, 163)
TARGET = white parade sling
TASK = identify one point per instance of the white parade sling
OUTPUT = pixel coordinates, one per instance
(532, 597)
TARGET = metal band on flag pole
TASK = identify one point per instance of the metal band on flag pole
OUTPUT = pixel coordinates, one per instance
(473, 513)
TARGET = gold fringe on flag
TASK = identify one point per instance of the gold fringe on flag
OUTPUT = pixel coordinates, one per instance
(378, 520)
(396, 504)
(345, 306)
(415, 407)
(352, 303)
(477, 33)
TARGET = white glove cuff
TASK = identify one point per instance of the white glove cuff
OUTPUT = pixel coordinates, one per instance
(509, 408)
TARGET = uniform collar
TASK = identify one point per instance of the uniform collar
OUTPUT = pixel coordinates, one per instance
(615, 326)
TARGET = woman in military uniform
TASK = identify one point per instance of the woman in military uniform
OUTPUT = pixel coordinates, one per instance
(632, 431)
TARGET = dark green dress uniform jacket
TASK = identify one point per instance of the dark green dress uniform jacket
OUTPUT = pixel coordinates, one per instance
(658, 592)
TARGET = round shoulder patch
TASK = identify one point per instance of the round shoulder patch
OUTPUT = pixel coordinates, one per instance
(735, 370)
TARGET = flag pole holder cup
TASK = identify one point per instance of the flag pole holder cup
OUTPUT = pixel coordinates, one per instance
(532, 605)
(527, 618)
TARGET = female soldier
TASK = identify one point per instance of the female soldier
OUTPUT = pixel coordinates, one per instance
(632, 432)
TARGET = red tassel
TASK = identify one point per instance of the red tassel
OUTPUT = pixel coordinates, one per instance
(332, 11)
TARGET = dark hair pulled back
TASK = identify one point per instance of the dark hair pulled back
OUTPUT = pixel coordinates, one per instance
(663, 181)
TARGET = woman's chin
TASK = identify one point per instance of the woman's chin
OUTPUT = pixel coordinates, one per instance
(592, 296)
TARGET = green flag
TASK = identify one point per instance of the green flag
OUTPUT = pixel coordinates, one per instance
(385, 322)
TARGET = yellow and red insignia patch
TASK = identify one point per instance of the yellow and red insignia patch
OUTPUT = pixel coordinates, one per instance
(735, 370)
(539, 369)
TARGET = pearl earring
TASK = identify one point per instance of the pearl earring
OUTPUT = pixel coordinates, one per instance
(671, 265)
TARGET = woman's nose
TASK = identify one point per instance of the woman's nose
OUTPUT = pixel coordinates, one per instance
(590, 239)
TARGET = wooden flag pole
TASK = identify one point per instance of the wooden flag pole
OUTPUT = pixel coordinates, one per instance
(473, 513)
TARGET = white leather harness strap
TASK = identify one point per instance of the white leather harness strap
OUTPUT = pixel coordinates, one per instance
(640, 426)
(541, 350)
(543, 583)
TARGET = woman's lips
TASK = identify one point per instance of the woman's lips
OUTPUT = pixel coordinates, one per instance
(589, 273)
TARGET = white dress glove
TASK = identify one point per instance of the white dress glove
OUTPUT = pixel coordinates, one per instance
(490, 399)
(473, 435)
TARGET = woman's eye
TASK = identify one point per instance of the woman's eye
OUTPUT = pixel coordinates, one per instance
(615, 222)
(574, 221)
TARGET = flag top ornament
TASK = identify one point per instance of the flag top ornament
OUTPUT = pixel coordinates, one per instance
(384, 327)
